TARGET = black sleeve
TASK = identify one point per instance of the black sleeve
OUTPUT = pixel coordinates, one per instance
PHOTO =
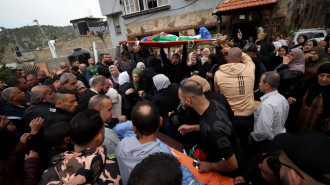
(163, 56)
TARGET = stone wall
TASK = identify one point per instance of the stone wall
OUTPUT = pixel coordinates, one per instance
(173, 23)
(64, 48)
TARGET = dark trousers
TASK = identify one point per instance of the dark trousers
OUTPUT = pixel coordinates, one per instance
(244, 126)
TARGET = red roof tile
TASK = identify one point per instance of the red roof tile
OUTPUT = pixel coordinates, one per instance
(228, 5)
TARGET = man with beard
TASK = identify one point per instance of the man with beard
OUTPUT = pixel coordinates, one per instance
(218, 139)
(103, 65)
(103, 104)
(100, 85)
(42, 99)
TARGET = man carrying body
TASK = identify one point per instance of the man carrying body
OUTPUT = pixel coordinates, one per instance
(235, 81)
(218, 140)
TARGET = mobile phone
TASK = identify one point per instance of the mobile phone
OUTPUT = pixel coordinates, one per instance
(239, 31)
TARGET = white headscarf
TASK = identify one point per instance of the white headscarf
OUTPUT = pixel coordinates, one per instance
(140, 64)
(123, 78)
(116, 101)
(115, 78)
(161, 81)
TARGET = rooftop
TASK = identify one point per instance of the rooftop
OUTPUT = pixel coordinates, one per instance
(234, 5)
(86, 19)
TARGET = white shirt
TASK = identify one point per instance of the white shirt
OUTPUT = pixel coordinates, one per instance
(270, 117)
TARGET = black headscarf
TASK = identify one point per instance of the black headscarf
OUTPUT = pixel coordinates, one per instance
(316, 90)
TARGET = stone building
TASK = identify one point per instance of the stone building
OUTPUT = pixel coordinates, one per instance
(134, 19)
(247, 15)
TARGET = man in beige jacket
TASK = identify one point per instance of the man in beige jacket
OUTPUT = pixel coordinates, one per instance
(235, 81)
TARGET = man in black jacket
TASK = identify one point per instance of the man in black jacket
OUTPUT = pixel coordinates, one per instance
(177, 68)
(104, 64)
(65, 106)
(218, 139)
(100, 85)
(42, 99)
(75, 71)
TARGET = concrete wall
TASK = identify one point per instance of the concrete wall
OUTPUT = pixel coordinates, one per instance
(173, 23)
(114, 37)
(180, 16)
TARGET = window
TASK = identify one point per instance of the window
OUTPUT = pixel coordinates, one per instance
(133, 6)
(116, 24)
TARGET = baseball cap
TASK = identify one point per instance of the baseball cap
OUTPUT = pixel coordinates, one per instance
(310, 152)
(250, 48)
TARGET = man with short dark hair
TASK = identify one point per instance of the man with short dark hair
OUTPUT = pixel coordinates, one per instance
(21, 84)
(16, 73)
(100, 85)
(68, 81)
(177, 68)
(65, 106)
(158, 168)
(89, 163)
(270, 118)
(218, 140)
(75, 71)
(42, 77)
(124, 59)
(103, 66)
(132, 150)
(305, 160)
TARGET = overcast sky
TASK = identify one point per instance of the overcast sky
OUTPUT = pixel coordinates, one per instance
(19, 13)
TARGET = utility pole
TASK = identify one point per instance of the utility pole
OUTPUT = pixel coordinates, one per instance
(51, 45)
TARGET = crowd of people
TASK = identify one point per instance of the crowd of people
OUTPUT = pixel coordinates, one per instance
(252, 111)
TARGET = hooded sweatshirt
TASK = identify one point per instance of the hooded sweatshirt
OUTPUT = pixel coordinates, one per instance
(90, 166)
(130, 152)
(235, 81)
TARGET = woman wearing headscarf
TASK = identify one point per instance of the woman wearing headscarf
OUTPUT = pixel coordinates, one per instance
(194, 65)
(140, 65)
(301, 42)
(132, 93)
(308, 46)
(291, 70)
(317, 57)
(124, 82)
(166, 100)
(209, 68)
(277, 60)
(205, 53)
(288, 41)
(114, 76)
(313, 98)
